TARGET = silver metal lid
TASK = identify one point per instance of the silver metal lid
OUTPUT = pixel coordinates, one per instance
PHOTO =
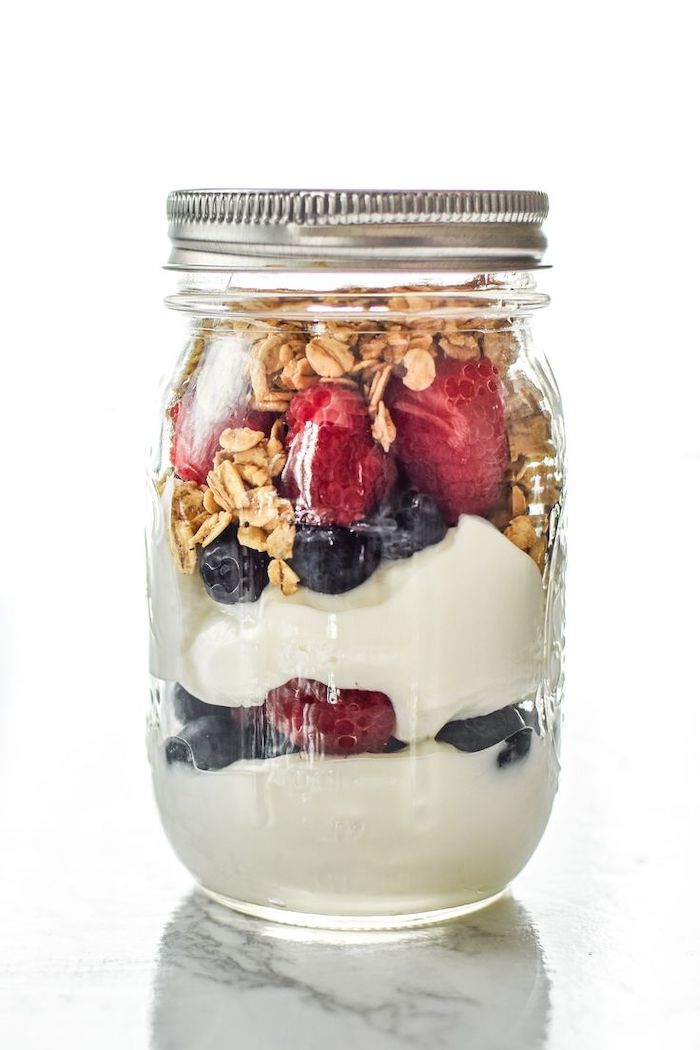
(356, 229)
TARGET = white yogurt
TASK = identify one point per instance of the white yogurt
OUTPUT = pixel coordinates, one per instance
(456, 630)
(415, 831)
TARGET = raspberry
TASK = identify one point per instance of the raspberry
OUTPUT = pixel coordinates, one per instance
(196, 437)
(335, 471)
(450, 438)
(330, 721)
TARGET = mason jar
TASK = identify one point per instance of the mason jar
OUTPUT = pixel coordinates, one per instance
(356, 554)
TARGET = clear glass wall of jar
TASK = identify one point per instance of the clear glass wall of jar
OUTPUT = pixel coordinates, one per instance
(356, 576)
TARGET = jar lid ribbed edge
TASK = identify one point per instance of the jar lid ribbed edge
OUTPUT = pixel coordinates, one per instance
(313, 208)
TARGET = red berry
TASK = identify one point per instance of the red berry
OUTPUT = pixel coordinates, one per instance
(196, 435)
(330, 721)
(335, 471)
(451, 439)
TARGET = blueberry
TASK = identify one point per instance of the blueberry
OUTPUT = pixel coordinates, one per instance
(332, 559)
(188, 707)
(393, 744)
(257, 738)
(517, 747)
(210, 742)
(417, 524)
(476, 734)
(275, 744)
(215, 741)
(233, 573)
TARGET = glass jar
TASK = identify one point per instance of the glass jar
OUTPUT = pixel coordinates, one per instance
(356, 555)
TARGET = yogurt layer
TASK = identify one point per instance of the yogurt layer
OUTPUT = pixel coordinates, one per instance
(359, 835)
(456, 630)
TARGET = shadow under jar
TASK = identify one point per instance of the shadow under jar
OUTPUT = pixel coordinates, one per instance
(356, 555)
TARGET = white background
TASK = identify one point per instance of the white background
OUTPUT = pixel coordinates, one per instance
(109, 107)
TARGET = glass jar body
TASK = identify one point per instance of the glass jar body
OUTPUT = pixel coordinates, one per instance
(356, 595)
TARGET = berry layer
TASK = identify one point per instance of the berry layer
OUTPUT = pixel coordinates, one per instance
(340, 835)
(455, 631)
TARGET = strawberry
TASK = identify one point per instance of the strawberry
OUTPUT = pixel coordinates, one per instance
(196, 434)
(450, 438)
(328, 721)
(335, 471)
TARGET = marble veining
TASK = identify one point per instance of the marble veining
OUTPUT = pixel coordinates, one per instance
(224, 979)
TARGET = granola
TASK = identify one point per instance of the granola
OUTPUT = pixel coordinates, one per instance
(383, 429)
(214, 525)
(420, 369)
(289, 355)
(238, 490)
(329, 357)
(521, 532)
(283, 576)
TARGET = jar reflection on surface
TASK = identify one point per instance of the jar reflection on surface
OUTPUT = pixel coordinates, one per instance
(481, 980)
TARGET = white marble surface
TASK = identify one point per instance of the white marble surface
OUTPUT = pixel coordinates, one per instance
(104, 944)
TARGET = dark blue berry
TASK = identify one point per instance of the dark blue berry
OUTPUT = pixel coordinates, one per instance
(188, 707)
(332, 559)
(233, 573)
(257, 738)
(210, 742)
(215, 741)
(476, 734)
(517, 747)
(276, 743)
(393, 744)
(417, 524)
